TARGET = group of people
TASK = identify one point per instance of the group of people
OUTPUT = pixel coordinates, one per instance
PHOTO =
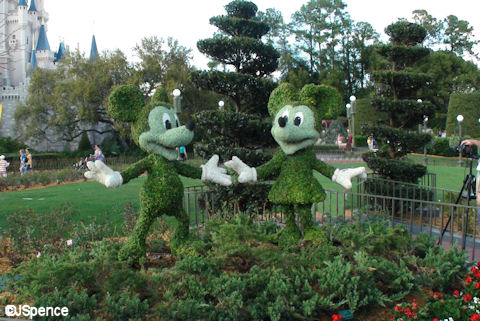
(349, 144)
(25, 163)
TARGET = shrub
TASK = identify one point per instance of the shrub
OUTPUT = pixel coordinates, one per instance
(84, 144)
(441, 147)
(467, 105)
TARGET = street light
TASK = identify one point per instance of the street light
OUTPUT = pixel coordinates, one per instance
(460, 120)
(177, 100)
(348, 106)
(425, 159)
(353, 101)
(221, 103)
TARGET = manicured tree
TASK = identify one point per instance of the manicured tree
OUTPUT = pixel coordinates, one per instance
(396, 95)
(238, 44)
(239, 130)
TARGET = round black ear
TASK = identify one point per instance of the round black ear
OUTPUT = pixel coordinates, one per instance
(125, 103)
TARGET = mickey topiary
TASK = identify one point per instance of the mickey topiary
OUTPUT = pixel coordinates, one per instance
(294, 128)
(156, 129)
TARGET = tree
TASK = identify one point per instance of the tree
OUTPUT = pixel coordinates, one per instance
(66, 102)
(396, 95)
(432, 25)
(238, 44)
(243, 130)
(459, 36)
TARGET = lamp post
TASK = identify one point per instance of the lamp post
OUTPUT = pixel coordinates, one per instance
(425, 159)
(460, 120)
(353, 101)
(221, 103)
(348, 106)
(177, 100)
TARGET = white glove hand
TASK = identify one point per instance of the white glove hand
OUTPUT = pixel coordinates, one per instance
(245, 173)
(103, 174)
(211, 172)
(344, 176)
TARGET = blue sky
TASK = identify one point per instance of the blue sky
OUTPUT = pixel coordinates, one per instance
(121, 23)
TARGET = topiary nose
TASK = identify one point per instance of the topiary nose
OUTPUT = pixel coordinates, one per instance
(282, 121)
(190, 125)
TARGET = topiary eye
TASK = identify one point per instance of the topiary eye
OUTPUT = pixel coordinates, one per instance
(298, 119)
(167, 121)
(177, 121)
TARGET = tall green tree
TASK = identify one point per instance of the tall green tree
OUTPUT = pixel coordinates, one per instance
(70, 100)
(238, 44)
(459, 36)
(396, 95)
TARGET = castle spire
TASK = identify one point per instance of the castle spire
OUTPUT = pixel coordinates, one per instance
(22, 3)
(61, 52)
(32, 6)
(42, 43)
(93, 50)
(33, 61)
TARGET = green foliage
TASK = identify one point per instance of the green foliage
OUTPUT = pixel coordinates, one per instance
(406, 33)
(367, 115)
(241, 9)
(395, 169)
(84, 144)
(444, 269)
(234, 269)
(325, 99)
(235, 27)
(406, 113)
(467, 105)
(402, 55)
(403, 83)
(10, 145)
(125, 102)
(160, 95)
(249, 93)
(285, 93)
(225, 50)
(441, 147)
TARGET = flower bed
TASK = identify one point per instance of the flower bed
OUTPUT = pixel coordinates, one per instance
(238, 271)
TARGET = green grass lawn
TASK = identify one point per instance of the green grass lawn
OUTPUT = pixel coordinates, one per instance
(93, 199)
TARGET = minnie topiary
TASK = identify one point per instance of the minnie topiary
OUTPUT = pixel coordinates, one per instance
(295, 124)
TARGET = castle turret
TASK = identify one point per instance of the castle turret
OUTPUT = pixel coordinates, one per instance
(44, 55)
(23, 3)
(93, 50)
(60, 53)
(32, 8)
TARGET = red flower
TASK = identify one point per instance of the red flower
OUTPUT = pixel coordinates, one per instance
(414, 304)
(468, 280)
(475, 317)
(435, 319)
(473, 269)
(398, 308)
(456, 293)
(467, 297)
(477, 286)
(437, 295)
(337, 317)
(478, 263)
(476, 274)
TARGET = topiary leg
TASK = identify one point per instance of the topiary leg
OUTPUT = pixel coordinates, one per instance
(183, 225)
(134, 248)
(291, 229)
(305, 215)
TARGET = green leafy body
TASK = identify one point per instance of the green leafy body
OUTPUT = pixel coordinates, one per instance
(156, 129)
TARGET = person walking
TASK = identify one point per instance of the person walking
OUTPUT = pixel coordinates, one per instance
(183, 153)
(350, 141)
(29, 164)
(23, 162)
(3, 166)
(98, 154)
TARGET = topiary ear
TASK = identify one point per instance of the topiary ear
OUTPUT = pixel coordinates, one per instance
(125, 103)
(282, 95)
(160, 96)
(325, 101)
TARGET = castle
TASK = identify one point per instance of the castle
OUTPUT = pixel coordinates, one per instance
(23, 47)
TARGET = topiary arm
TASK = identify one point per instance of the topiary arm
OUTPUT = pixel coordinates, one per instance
(137, 169)
(323, 168)
(272, 167)
(187, 170)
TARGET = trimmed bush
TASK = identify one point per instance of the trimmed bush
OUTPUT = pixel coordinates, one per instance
(467, 105)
